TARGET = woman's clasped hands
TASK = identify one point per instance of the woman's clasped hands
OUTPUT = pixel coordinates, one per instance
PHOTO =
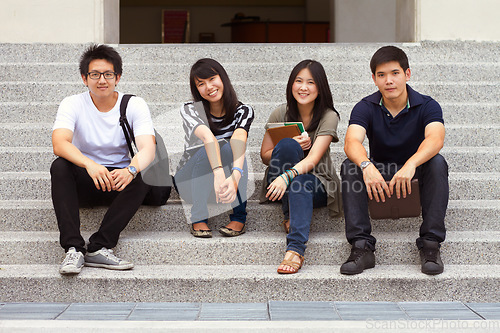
(226, 189)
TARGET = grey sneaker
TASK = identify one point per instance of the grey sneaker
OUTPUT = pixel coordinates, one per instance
(73, 262)
(104, 258)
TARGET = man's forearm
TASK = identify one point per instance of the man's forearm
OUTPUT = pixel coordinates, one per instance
(429, 148)
(356, 152)
(71, 153)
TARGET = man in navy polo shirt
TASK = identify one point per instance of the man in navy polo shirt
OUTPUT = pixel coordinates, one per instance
(405, 131)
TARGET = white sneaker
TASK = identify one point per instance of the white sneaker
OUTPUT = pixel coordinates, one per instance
(104, 258)
(73, 262)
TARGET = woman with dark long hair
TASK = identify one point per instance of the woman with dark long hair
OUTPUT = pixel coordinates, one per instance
(210, 164)
(300, 172)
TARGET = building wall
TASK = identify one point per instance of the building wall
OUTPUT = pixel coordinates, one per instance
(458, 20)
(364, 20)
(59, 21)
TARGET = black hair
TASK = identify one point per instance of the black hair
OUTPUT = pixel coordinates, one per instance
(387, 54)
(206, 68)
(324, 100)
(96, 51)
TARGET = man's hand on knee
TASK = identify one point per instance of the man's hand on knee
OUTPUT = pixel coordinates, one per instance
(402, 181)
(375, 184)
(101, 176)
(121, 178)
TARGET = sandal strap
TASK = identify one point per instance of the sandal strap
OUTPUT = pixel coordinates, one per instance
(292, 264)
(298, 255)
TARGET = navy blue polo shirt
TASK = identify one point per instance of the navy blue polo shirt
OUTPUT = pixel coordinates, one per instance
(395, 139)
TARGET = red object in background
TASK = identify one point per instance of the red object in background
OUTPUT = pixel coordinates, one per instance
(175, 26)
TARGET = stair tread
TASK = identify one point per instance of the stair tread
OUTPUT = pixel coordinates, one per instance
(252, 237)
(228, 272)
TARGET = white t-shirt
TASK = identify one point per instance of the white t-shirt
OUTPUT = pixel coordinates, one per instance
(98, 135)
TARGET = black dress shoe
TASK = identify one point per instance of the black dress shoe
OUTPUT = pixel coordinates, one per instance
(201, 233)
(430, 258)
(361, 258)
(228, 232)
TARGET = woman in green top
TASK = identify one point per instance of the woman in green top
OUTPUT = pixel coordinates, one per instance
(300, 172)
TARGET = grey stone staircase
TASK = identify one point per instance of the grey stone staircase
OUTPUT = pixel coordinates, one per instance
(171, 265)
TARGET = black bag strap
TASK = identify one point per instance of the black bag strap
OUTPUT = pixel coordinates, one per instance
(127, 130)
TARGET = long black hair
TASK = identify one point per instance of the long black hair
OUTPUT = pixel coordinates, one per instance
(206, 68)
(324, 100)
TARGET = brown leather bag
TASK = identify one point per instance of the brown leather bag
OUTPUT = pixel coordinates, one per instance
(394, 208)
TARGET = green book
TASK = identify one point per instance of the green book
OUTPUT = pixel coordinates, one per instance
(298, 123)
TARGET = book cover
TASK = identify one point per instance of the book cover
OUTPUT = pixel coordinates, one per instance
(281, 132)
(298, 123)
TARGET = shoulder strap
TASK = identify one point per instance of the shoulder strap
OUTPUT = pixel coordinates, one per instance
(127, 131)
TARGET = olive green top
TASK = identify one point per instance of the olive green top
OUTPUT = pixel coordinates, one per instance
(324, 171)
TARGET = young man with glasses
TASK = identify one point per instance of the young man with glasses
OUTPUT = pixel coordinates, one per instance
(93, 167)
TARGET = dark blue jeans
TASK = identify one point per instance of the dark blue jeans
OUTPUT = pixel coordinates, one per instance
(434, 192)
(304, 193)
(195, 184)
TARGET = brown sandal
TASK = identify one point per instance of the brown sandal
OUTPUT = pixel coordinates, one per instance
(288, 262)
(286, 225)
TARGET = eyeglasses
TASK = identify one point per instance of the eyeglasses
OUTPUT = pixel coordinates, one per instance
(97, 75)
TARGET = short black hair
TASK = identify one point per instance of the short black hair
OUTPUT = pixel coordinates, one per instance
(96, 51)
(387, 54)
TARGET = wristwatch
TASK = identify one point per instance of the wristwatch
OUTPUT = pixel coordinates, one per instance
(364, 165)
(132, 170)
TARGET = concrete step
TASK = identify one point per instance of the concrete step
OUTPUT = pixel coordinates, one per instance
(460, 159)
(38, 215)
(249, 72)
(249, 92)
(39, 134)
(36, 186)
(45, 112)
(427, 51)
(256, 248)
(248, 283)
(35, 77)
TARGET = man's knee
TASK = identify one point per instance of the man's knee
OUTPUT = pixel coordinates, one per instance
(436, 166)
(60, 167)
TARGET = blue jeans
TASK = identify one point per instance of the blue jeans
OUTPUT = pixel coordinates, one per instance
(304, 193)
(195, 184)
(434, 192)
